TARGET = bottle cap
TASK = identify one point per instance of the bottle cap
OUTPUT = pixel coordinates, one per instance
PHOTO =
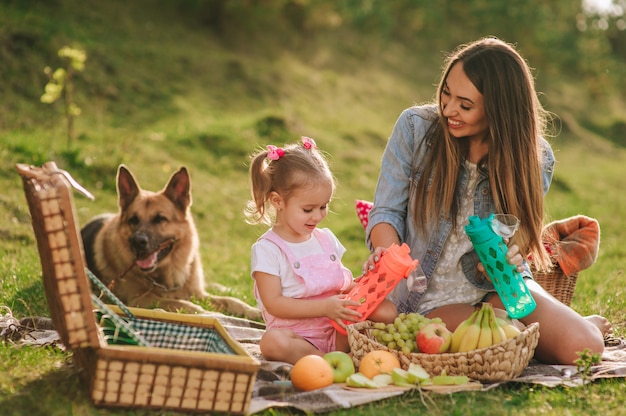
(397, 259)
(479, 230)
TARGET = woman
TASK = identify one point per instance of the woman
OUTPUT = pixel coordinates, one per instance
(478, 149)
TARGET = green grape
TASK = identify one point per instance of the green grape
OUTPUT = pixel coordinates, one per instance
(400, 335)
(402, 327)
(380, 325)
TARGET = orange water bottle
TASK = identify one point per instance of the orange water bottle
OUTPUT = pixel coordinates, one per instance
(373, 287)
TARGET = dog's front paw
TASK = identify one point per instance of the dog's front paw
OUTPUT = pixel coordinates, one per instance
(237, 307)
(254, 314)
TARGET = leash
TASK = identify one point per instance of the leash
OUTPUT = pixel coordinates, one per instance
(152, 282)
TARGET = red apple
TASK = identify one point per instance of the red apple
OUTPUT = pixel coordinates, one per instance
(433, 338)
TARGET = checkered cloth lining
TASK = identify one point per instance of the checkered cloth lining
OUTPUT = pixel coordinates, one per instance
(159, 334)
(116, 329)
(181, 337)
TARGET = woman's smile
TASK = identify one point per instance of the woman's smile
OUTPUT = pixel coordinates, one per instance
(453, 124)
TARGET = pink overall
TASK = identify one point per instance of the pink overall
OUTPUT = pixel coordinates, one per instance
(323, 276)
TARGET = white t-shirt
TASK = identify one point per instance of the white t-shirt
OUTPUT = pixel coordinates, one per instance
(268, 258)
(448, 284)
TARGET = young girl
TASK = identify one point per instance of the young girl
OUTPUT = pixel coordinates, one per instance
(297, 269)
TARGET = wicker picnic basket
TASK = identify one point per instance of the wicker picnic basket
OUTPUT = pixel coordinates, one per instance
(207, 372)
(557, 283)
(500, 362)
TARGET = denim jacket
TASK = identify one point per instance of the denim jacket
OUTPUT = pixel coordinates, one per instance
(402, 167)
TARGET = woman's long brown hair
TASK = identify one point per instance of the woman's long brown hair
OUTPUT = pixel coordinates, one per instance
(514, 161)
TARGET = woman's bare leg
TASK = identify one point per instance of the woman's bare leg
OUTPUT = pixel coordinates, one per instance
(386, 312)
(601, 322)
(452, 315)
(563, 332)
(341, 343)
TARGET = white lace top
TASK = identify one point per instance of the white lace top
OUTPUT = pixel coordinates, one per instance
(448, 284)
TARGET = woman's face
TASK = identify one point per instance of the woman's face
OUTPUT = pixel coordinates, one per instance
(463, 106)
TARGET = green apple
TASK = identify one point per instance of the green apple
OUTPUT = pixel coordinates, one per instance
(446, 380)
(342, 365)
(417, 373)
(401, 378)
(383, 380)
(361, 380)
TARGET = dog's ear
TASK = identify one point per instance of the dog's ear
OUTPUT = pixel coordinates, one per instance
(178, 189)
(127, 187)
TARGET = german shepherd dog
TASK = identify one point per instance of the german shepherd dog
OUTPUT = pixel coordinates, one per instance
(148, 253)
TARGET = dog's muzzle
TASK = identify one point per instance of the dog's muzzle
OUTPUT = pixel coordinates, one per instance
(147, 260)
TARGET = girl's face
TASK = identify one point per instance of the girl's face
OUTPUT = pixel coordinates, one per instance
(298, 216)
(463, 106)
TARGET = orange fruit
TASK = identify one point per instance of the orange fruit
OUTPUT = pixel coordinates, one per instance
(311, 372)
(378, 362)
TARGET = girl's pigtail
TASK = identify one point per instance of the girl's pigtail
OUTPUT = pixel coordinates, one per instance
(260, 185)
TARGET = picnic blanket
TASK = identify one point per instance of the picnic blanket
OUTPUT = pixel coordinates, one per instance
(273, 389)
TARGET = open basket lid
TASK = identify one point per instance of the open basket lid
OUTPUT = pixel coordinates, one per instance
(61, 252)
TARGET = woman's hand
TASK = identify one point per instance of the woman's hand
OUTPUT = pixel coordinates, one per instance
(513, 256)
(373, 259)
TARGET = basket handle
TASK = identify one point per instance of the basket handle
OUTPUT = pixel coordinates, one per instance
(50, 168)
(108, 293)
(122, 330)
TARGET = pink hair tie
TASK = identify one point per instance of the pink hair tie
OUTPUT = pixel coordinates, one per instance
(274, 153)
(308, 143)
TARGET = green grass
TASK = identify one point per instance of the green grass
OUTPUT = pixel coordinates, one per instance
(156, 99)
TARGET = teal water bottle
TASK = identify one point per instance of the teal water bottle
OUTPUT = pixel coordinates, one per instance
(508, 282)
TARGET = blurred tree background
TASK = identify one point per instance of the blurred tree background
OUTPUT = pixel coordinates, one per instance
(273, 57)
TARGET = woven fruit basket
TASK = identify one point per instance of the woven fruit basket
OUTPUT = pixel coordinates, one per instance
(184, 362)
(500, 362)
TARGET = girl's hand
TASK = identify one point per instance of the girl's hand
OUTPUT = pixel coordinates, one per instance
(372, 259)
(336, 308)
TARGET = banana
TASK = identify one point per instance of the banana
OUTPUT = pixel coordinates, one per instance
(511, 331)
(470, 338)
(497, 331)
(485, 338)
(509, 328)
(460, 331)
